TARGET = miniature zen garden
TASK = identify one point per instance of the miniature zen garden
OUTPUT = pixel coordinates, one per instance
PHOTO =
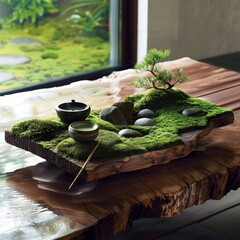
(37, 36)
(144, 122)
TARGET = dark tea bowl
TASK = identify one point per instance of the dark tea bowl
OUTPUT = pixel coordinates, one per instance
(72, 111)
(83, 131)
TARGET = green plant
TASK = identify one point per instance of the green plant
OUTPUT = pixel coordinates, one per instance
(29, 11)
(88, 16)
(159, 77)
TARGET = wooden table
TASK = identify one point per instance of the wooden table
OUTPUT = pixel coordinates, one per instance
(110, 205)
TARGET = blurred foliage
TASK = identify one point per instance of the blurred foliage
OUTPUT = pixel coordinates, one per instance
(76, 46)
(86, 17)
(49, 55)
(27, 11)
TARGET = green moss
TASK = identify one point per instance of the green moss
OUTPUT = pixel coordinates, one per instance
(32, 48)
(53, 47)
(53, 142)
(157, 98)
(36, 78)
(157, 138)
(168, 106)
(37, 129)
(101, 123)
(49, 55)
(81, 150)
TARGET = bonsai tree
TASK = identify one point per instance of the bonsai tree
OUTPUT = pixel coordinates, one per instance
(161, 78)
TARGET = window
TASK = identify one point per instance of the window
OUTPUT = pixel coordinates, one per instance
(55, 43)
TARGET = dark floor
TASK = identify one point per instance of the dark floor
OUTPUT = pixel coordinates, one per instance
(214, 220)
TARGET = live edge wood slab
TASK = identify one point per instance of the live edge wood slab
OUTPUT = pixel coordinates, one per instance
(113, 203)
(94, 170)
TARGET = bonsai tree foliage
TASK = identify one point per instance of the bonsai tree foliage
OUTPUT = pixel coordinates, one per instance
(161, 78)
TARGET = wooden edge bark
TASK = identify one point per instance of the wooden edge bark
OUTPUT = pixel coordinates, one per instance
(108, 167)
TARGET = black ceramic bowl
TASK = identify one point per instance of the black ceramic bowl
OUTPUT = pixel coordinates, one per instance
(72, 111)
(83, 131)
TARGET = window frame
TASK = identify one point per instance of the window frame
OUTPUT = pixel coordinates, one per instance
(127, 50)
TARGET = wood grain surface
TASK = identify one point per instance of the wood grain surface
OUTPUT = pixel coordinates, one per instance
(108, 206)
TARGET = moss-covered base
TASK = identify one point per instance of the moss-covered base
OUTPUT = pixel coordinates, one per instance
(170, 122)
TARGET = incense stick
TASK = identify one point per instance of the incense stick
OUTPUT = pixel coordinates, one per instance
(84, 165)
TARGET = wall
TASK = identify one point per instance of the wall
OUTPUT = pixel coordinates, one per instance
(195, 28)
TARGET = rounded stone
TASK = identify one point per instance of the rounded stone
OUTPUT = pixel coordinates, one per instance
(194, 112)
(24, 40)
(146, 113)
(129, 133)
(13, 59)
(4, 76)
(144, 122)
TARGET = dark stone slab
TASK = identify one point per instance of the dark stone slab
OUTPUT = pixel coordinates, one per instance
(126, 109)
(113, 115)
